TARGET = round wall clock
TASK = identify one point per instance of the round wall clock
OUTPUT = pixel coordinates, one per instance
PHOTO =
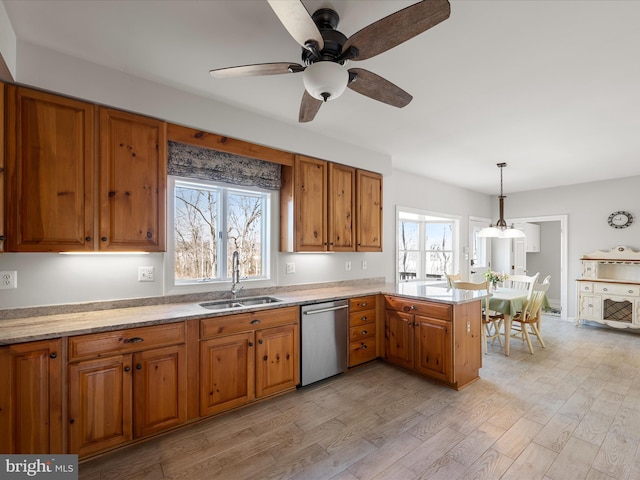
(620, 219)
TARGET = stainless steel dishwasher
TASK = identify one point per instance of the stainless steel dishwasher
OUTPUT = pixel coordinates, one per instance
(324, 332)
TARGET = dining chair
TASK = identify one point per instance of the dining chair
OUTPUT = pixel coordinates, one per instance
(547, 279)
(453, 277)
(528, 318)
(521, 282)
(491, 322)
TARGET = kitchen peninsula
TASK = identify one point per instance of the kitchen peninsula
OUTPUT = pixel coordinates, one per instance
(144, 350)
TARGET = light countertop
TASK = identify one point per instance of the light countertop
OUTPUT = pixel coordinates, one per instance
(46, 326)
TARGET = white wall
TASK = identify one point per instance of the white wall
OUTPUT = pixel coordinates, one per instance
(7, 47)
(588, 206)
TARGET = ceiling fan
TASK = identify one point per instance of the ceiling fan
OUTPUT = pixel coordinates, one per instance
(325, 51)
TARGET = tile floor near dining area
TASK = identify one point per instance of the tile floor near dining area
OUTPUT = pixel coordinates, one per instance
(567, 412)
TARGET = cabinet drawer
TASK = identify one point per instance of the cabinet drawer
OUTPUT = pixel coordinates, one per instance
(617, 289)
(362, 303)
(243, 322)
(433, 310)
(123, 341)
(362, 351)
(361, 318)
(362, 331)
(586, 287)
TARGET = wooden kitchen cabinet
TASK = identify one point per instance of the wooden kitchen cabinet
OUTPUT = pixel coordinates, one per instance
(440, 341)
(362, 330)
(326, 206)
(369, 211)
(31, 398)
(50, 172)
(53, 164)
(125, 384)
(247, 356)
(133, 172)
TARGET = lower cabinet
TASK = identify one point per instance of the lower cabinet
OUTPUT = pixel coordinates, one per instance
(125, 384)
(362, 330)
(248, 356)
(31, 398)
(440, 341)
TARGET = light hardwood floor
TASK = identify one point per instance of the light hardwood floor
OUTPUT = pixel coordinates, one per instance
(568, 412)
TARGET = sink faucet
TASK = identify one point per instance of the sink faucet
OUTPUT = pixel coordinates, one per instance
(235, 274)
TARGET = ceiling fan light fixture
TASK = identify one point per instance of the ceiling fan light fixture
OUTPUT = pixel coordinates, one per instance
(325, 80)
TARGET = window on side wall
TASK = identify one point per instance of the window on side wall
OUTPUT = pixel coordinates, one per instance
(210, 222)
(427, 246)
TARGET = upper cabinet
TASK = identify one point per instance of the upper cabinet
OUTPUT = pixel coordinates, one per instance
(369, 217)
(50, 172)
(63, 196)
(329, 207)
(133, 172)
(2, 168)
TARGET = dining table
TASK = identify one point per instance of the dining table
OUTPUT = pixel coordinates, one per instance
(508, 301)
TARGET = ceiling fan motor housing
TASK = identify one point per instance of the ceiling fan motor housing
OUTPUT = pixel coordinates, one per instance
(326, 20)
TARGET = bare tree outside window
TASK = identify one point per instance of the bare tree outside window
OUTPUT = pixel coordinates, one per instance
(201, 214)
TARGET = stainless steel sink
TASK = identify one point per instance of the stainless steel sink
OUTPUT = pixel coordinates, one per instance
(241, 302)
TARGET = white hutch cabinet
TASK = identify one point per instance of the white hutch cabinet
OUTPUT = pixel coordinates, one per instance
(609, 290)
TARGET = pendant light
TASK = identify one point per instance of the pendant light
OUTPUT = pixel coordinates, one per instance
(500, 230)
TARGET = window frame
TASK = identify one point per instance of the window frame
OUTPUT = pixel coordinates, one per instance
(422, 217)
(223, 281)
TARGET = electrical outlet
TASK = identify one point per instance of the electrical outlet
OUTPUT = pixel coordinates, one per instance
(146, 274)
(291, 267)
(364, 264)
(8, 279)
(347, 266)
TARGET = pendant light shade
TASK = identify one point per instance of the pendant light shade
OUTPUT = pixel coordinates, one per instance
(500, 230)
(325, 80)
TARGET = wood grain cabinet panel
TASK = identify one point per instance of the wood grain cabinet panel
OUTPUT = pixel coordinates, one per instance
(362, 330)
(31, 398)
(369, 208)
(50, 172)
(3, 175)
(448, 349)
(133, 171)
(277, 359)
(341, 197)
(310, 202)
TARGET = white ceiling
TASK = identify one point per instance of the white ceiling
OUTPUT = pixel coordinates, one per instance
(550, 87)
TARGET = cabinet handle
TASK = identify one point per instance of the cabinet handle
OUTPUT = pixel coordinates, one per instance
(72, 421)
(363, 304)
(53, 355)
(134, 340)
(590, 305)
(265, 358)
(87, 239)
(364, 346)
(104, 239)
(260, 342)
(605, 289)
(139, 367)
(255, 322)
(127, 368)
(364, 332)
(149, 235)
(112, 194)
(3, 238)
(364, 318)
(251, 344)
(630, 291)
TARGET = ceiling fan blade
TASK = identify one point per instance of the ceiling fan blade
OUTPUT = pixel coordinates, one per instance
(376, 87)
(298, 22)
(308, 108)
(397, 28)
(257, 69)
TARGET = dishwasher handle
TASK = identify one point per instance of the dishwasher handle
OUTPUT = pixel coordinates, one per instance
(323, 310)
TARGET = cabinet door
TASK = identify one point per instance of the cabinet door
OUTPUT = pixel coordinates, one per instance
(2, 168)
(226, 372)
(590, 307)
(159, 389)
(133, 171)
(50, 172)
(277, 359)
(342, 190)
(100, 404)
(433, 347)
(31, 398)
(310, 204)
(399, 338)
(369, 208)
